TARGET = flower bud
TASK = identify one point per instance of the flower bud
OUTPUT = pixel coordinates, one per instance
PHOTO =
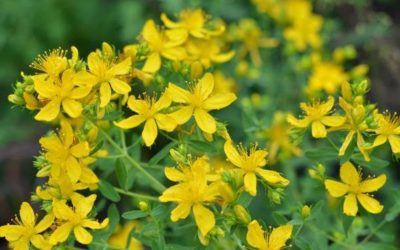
(17, 100)
(196, 70)
(305, 211)
(144, 206)
(242, 214)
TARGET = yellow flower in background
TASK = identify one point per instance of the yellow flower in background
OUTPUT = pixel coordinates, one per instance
(192, 194)
(186, 173)
(355, 189)
(75, 220)
(317, 115)
(305, 32)
(161, 44)
(64, 153)
(192, 22)
(52, 64)
(326, 76)
(108, 75)
(27, 231)
(223, 84)
(64, 93)
(252, 39)
(388, 130)
(274, 240)
(251, 163)
(198, 102)
(207, 52)
(149, 112)
(119, 239)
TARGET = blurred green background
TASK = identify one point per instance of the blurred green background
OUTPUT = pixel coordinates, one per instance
(28, 28)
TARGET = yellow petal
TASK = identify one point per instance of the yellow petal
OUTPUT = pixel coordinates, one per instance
(168, 22)
(88, 176)
(67, 133)
(394, 143)
(181, 211)
(350, 207)
(80, 150)
(21, 244)
(335, 188)
(130, 122)
(12, 232)
(379, 140)
(61, 233)
(328, 105)
(224, 57)
(150, 132)
(44, 223)
(272, 177)
(232, 154)
(120, 86)
(137, 105)
(62, 211)
(318, 129)
(72, 107)
(174, 174)
(303, 123)
(153, 63)
(165, 122)
(105, 94)
(204, 218)
(373, 184)
(49, 112)
(27, 215)
(73, 168)
(82, 235)
(95, 224)
(163, 102)
(333, 121)
(205, 121)
(39, 242)
(45, 87)
(349, 174)
(250, 183)
(346, 142)
(121, 68)
(178, 94)
(370, 204)
(219, 101)
(85, 205)
(255, 236)
(80, 92)
(279, 236)
(205, 86)
(182, 115)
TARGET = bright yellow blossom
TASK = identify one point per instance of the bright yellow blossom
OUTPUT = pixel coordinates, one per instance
(316, 114)
(108, 75)
(388, 130)
(251, 163)
(161, 44)
(52, 63)
(75, 220)
(119, 239)
(192, 22)
(275, 240)
(192, 194)
(327, 76)
(198, 102)
(27, 231)
(65, 92)
(355, 189)
(207, 52)
(149, 111)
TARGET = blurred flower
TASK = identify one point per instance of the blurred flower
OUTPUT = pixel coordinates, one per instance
(274, 240)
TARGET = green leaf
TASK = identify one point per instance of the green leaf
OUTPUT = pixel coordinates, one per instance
(161, 154)
(108, 191)
(122, 173)
(279, 218)
(315, 210)
(244, 199)
(97, 148)
(134, 214)
(201, 146)
(321, 154)
(349, 152)
(374, 163)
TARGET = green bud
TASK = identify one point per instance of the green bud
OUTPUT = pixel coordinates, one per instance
(17, 100)
(305, 211)
(242, 214)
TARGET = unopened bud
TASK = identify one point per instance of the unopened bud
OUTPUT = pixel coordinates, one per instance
(17, 100)
(242, 214)
(144, 206)
(305, 211)
(196, 70)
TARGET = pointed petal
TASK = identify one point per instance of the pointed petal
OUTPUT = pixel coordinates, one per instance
(62, 211)
(328, 105)
(279, 236)
(178, 94)
(182, 115)
(232, 154)
(165, 122)
(303, 123)
(250, 183)
(11, 232)
(130, 122)
(335, 188)
(153, 63)
(120, 86)
(44, 223)
(346, 142)
(333, 121)
(85, 205)
(82, 235)
(45, 88)
(394, 143)
(181, 211)
(150, 132)
(79, 92)
(105, 94)
(138, 105)
(72, 107)
(204, 218)
(121, 68)
(379, 140)
(205, 121)
(370, 204)
(80, 150)
(27, 215)
(39, 242)
(49, 112)
(372, 185)
(205, 86)
(350, 207)
(349, 174)
(95, 224)
(219, 101)
(223, 57)
(73, 169)
(318, 129)
(163, 102)
(174, 174)
(255, 236)
(272, 177)
(61, 233)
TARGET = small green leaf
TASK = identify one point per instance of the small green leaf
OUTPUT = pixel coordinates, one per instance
(321, 154)
(108, 191)
(374, 163)
(134, 214)
(201, 146)
(279, 218)
(161, 154)
(122, 173)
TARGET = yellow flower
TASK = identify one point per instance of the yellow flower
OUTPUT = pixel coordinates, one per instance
(52, 63)
(223, 84)
(198, 102)
(327, 76)
(108, 74)
(161, 44)
(191, 194)
(192, 22)
(27, 231)
(64, 153)
(275, 240)
(252, 39)
(75, 220)
(304, 32)
(149, 111)
(119, 239)
(355, 189)
(316, 114)
(65, 92)
(251, 163)
(207, 52)
(388, 130)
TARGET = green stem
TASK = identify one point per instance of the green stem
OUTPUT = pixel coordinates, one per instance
(372, 233)
(298, 231)
(123, 140)
(332, 143)
(317, 230)
(157, 185)
(136, 195)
